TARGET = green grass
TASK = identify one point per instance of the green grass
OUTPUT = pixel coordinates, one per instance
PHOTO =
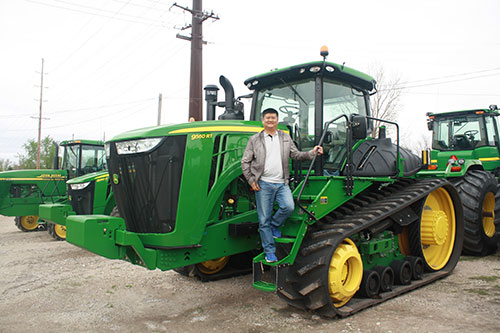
(484, 278)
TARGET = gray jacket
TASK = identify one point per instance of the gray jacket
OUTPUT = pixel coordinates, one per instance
(254, 156)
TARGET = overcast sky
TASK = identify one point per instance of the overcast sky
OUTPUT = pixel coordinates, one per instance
(107, 61)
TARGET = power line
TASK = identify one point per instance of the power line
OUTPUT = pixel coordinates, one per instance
(410, 84)
(84, 109)
(436, 83)
(97, 14)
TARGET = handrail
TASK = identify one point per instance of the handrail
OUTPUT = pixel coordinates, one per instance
(327, 124)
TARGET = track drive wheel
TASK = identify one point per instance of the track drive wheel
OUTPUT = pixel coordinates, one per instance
(26, 223)
(433, 237)
(477, 191)
(57, 231)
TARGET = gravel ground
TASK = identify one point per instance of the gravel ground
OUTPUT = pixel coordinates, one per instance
(50, 286)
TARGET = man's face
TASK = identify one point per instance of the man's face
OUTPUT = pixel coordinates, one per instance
(270, 122)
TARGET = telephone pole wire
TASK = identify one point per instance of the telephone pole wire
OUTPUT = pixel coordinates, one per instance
(196, 75)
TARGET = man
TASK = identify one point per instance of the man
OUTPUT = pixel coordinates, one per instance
(265, 166)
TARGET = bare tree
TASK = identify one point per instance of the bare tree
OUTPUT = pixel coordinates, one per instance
(416, 144)
(385, 104)
(5, 164)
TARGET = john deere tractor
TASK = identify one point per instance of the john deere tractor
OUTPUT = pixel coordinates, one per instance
(22, 191)
(87, 194)
(466, 149)
(366, 227)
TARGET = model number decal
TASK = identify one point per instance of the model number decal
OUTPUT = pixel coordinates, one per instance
(201, 136)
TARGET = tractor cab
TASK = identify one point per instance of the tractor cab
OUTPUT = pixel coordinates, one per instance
(329, 104)
(467, 135)
(81, 157)
(308, 95)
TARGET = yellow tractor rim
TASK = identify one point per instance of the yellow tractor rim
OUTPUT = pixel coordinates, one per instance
(345, 273)
(437, 229)
(489, 214)
(213, 266)
(60, 231)
(29, 222)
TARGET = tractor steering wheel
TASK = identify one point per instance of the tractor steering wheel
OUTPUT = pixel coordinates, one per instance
(290, 111)
(471, 133)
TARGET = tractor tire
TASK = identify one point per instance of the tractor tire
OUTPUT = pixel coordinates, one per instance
(26, 223)
(221, 268)
(477, 191)
(57, 231)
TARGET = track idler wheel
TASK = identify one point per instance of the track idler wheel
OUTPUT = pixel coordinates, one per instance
(402, 272)
(345, 273)
(386, 277)
(417, 267)
(370, 284)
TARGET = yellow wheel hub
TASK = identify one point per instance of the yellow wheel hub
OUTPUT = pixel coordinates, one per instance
(60, 231)
(213, 266)
(345, 273)
(29, 222)
(489, 214)
(434, 227)
(437, 229)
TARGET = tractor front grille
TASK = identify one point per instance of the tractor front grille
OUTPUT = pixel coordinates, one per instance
(146, 185)
(82, 201)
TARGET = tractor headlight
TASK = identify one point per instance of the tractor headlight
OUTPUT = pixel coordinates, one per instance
(136, 146)
(107, 149)
(80, 186)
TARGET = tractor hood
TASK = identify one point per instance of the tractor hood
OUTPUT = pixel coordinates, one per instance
(32, 174)
(89, 177)
(193, 128)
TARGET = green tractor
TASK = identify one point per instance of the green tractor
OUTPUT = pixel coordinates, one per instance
(366, 227)
(87, 194)
(23, 191)
(466, 149)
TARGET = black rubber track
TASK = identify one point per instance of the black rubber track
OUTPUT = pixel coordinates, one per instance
(472, 189)
(306, 282)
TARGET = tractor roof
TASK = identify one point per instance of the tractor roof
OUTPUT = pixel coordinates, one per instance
(85, 142)
(309, 70)
(463, 113)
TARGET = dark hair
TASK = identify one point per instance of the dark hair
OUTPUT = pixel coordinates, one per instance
(269, 110)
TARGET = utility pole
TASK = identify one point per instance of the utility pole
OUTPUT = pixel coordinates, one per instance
(40, 119)
(159, 110)
(196, 39)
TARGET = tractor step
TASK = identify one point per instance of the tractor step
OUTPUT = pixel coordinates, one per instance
(285, 240)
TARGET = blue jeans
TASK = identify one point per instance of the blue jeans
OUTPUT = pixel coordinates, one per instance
(268, 194)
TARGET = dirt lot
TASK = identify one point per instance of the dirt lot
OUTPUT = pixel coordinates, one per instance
(49, 286)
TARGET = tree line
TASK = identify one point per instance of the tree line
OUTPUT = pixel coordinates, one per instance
(27, 159)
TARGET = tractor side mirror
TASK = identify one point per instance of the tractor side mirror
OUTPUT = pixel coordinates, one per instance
(359, 127)
(429, 124)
